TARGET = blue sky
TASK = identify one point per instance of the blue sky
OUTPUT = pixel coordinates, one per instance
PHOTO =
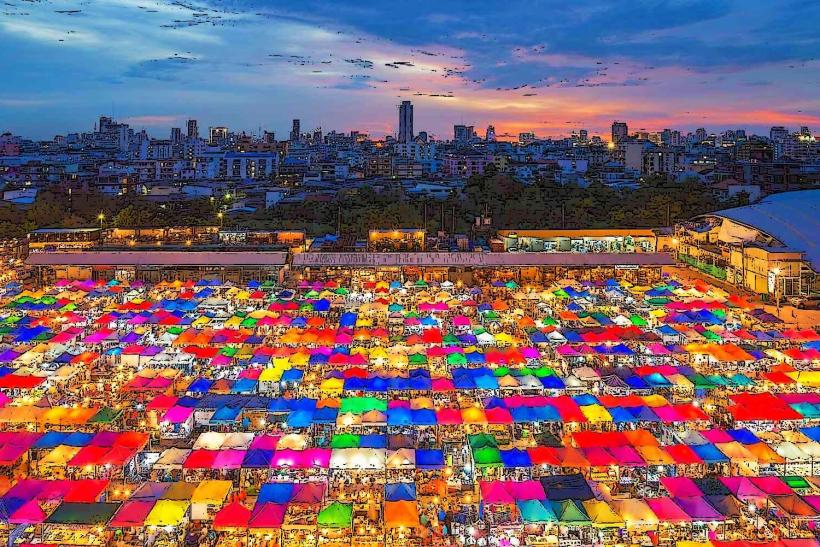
(547, 66)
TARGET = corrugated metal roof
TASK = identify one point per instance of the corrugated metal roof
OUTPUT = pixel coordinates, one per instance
(479, 260)
(792, 218)
(158, 258)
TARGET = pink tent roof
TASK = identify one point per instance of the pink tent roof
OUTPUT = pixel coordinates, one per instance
(302, 459)
(229, 459)
(742, 488)
(627, 456)
(666, 510)
(495, 492)
(177, 414)
(681, 486)
(309, 492)
(699, 509)
(527, 490)
(265, 442)
(772, 485)
(567, 351)
(443, 384)
(267, 515)
(28, 513)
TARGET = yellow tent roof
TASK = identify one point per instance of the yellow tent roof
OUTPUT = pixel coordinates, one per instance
(212, 492)
(601, 514)
(59, 456)
(596, 413)
(270, 375)
(736, 451)
(167, 513)
(473, 415)
(635, 512)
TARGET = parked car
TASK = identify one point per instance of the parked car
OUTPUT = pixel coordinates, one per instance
(811, 302)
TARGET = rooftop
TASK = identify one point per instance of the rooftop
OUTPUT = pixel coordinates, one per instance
(792, 218)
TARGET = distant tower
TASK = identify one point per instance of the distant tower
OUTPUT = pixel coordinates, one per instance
(620, 132)
(406, 122)
(296, 131)
(176, 135)
(490, 136)
(193, 129)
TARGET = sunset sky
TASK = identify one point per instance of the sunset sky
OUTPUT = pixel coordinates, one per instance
(544, 66)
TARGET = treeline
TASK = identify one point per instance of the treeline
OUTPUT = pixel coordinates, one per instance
(509, 204)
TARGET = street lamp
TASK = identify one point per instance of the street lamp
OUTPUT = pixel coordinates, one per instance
(219, 215)
(101, 218)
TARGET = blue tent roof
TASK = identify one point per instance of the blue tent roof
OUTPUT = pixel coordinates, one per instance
(275, 492)
(515, 457)
(709, 453)
(400, 491)
(258, 459)
(429, 459)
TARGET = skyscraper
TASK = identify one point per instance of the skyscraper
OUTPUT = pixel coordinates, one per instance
(176, 135)
(218, 135)
(405, 122)
(193, 129)
(463, 133)
(620, 132)
(296, 131)
(490, 135)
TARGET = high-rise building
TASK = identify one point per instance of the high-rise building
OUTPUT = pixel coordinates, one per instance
(218, 135)
(526, 137)
(620, 131)
(193, 129)
(405, 122)
(176, 135)
(269, 137)
(778, 132)
(296, 131)
(700, 135)
(583, 136)
(490, 135)
(463, 133)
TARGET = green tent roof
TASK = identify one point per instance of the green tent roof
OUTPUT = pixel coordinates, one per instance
(796, 482)
(480, 440)
(360, 405)
(345, 440)
(105, 416)
(336, 515)
(83, 513)
(487, 456)
(637, 320)
(568, 511)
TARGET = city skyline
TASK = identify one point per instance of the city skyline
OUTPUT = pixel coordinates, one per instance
(548, 68)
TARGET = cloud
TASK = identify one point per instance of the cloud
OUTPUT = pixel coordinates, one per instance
(544, 64)
(167, 70)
